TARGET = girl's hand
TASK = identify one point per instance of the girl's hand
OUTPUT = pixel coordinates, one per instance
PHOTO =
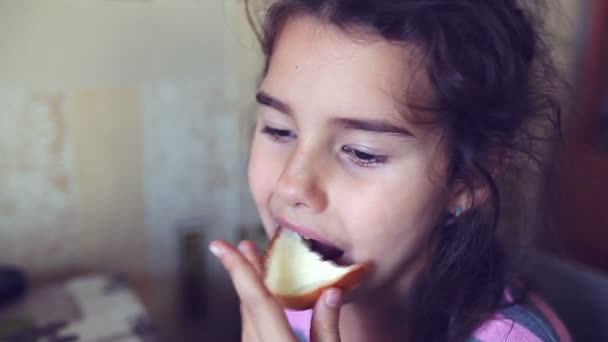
(263, 317)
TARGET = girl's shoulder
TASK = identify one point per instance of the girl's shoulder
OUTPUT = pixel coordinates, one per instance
(530, 319)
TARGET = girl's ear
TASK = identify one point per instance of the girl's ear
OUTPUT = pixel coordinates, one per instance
(463, 198)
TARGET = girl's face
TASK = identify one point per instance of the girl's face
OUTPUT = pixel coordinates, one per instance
(334, 157)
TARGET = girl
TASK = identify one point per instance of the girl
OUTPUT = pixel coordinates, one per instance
(383, 130)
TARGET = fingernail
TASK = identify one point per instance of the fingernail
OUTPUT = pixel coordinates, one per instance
(215, 250)
(333, 297)
(242, 247)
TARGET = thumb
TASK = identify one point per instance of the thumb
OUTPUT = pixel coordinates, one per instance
(326, 317)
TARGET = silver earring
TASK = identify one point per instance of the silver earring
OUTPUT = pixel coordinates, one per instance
(451, 218)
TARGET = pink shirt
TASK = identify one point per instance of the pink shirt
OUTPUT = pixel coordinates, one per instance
(532, 321)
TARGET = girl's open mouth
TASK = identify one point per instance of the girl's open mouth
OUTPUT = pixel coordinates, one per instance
(327, 252)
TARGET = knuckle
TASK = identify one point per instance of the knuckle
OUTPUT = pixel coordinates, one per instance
(325, 327)
(256, 299)
(328, 329)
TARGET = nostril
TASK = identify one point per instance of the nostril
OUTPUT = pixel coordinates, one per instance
(299, 188)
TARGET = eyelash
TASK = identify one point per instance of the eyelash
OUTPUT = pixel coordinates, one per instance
(360, 158)
(364, 159)
(278, 134)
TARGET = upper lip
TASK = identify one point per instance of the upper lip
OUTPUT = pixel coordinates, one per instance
(304, 231)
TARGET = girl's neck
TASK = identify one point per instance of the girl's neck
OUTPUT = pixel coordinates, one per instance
(382, 316)
(373, 320)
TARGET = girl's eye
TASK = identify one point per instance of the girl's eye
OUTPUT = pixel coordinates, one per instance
(364, 159)
(278, 134)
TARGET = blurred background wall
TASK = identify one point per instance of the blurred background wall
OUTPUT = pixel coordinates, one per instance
(125, 123)
(583, 158)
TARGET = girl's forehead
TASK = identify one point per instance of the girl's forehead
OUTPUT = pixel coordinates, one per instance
(315, 61)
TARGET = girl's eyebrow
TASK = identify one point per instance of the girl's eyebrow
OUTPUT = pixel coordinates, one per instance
(265, 99)
(369, 125)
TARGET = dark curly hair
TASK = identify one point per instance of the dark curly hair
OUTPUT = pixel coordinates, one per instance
(494, 94)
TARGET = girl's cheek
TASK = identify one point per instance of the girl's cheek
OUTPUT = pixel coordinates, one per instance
(264, 169)
(255, 172)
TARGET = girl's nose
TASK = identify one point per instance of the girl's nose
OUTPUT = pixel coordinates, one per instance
(300, 186)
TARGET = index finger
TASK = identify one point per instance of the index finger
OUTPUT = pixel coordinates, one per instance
(269, 319)
(250, 251)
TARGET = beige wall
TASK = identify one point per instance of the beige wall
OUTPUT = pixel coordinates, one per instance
(105, 136)
(118, 121)
(38, 215)
(566, 25)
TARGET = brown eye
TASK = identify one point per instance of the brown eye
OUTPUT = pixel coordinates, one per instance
(364, 159)
(278, 134)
